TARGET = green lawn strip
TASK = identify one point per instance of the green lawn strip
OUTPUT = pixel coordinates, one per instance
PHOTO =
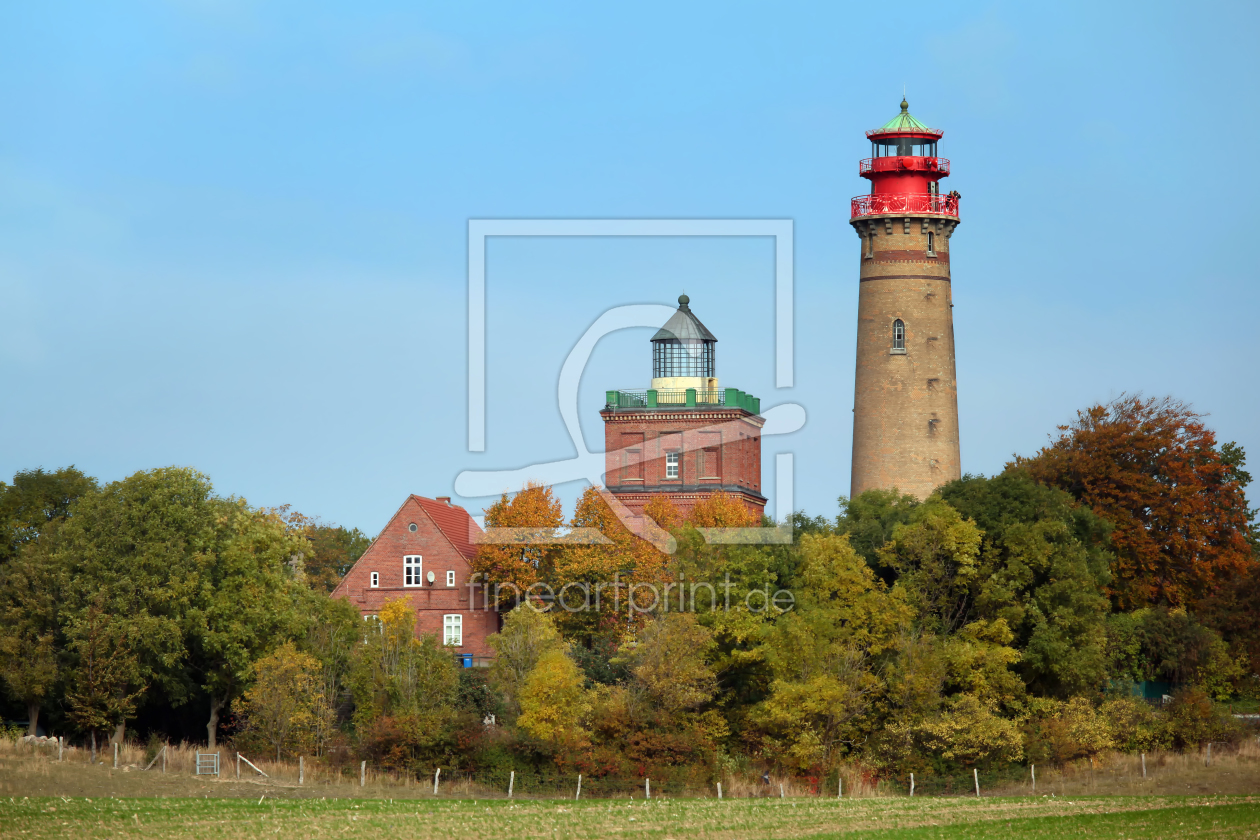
(1008, 819)
(1238, 819)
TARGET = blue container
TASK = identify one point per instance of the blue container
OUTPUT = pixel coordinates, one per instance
(466, 659)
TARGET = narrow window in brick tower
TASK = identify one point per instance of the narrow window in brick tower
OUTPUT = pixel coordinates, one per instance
(411, 570)
(671, 464)
(931, 243)
(453, 629)
(899, 335)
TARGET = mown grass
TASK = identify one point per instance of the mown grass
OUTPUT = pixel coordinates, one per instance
(1009, 819)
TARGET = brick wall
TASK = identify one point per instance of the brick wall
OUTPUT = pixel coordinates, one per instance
(720, 450)
(431, 601)
(905, 406)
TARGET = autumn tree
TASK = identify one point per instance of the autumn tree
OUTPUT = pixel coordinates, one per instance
(526, 635)
(554, 700)
(1153, 469)
(285, 704)
(527, 554)
(721, 510)
(621, 561)
(331, 550)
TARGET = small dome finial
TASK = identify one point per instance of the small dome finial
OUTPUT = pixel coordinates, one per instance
(905, 106)
(683, 300)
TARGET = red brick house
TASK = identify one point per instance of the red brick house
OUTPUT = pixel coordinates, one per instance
(424, 555)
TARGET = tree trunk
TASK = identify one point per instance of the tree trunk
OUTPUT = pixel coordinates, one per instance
(212, 728)
(32, 716)
(120, 732)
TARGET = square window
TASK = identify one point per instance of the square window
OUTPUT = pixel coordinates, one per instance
(453, 630)
(672, 460)
(411, 570)
(376, 579)
(450, 578)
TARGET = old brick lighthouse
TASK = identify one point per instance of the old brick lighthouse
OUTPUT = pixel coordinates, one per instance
(905, 405)
(684, 438)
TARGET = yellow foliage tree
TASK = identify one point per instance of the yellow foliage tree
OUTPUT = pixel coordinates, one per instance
(721, 510)
(286, 706)
(554, 701)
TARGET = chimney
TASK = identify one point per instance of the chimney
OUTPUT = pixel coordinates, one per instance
(446, 499)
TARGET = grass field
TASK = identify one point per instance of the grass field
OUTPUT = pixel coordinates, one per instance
(1181, 796)
(1006, 818)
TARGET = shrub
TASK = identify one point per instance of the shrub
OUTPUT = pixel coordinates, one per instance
(1135, 726)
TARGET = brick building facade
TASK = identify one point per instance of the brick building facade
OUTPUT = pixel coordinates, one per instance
(684, 437)
(423, 554)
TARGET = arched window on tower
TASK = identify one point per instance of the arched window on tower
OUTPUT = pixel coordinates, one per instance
(899, 336)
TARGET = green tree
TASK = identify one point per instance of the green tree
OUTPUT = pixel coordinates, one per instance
(870, 518)
(1043, 568)
(30, 627)
(106, 681)
(136, 550)
(668, 664)
(935, 557)
(248, 597)
(35, 500)
(822, 655)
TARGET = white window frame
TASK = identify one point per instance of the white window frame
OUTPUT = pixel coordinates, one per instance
(453, 630)
(376, 579)
(413, 570)
(673, 464)
(450, 577)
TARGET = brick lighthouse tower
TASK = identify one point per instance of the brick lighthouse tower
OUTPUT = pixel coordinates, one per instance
(905, 405)
(684, 438)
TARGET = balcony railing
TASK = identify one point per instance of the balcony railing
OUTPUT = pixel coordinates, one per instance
(904, 163)
(683, 398)
(879, 205)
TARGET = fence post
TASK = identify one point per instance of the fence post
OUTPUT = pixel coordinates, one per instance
(912, 784)
(301, 769)
(1034, 775)
(578, 795)
(60, 742)
(719, 784)
(437, 774)
(975, 771)
(511, 783)
(1143, 765)
(164, 746)
(780, 790)
(839, 786)
(362, 773)
(647, 790)
(116, 754)
(238, 765)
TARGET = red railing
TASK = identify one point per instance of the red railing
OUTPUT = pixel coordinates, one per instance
(904, 163)
(878, 205)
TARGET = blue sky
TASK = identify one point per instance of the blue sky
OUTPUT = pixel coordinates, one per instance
(233, 235)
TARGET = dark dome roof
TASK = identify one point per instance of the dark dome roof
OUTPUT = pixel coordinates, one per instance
(683, 325)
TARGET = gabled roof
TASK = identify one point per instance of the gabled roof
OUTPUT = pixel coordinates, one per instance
(683, 325)
(454, 522)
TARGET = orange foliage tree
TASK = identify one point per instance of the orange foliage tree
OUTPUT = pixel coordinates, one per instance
(1152, 469)
(527, 556)
(721, 510)
(625, 560)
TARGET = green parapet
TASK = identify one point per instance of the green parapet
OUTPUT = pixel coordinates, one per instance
(755, 405)
(613, 398)
(651, 398)
(734, 398)
(691, 398)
